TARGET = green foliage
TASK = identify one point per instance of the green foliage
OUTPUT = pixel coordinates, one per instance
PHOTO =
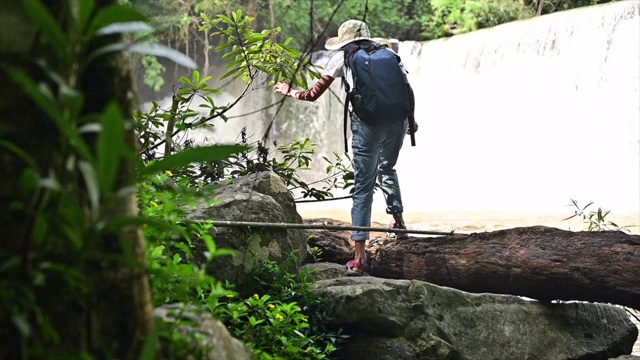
(551, 6)
(451, 17)
(175, 276)
(288, 322)
(153, 72)
(595, 220)
(311, 23)
(222, 162)
(73, 201)
(251, 53)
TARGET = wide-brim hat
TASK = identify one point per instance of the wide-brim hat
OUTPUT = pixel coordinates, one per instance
(348, 32)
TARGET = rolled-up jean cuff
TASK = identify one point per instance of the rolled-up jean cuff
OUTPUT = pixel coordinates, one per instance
(395, 210)
(362, 236)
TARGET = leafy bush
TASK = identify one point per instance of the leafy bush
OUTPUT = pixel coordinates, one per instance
(171, 238)
(288, 321)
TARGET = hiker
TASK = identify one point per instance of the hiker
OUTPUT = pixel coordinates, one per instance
(375, 147)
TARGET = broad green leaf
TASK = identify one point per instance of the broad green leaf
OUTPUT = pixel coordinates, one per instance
(204, 80)
(124, 27)
(85, 10)
(254, 38)
(211, 246)
(194, 155)
(231, 72)
(149, 49)
(237, 15)
(114, 14)
(185, 80)
(226, 19)
(228, 55)
(110, 147)
(48, 26)
(222, 47)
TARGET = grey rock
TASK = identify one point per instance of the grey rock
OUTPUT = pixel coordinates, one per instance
(409, 319)
(260, 197)
(215, 340)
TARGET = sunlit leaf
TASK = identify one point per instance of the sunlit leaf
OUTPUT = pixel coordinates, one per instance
(114, 14)
(231, 72)
(124, 27)
(225, 18)
(222, 47)
(92, 183)
(196, 77)
(149, 49)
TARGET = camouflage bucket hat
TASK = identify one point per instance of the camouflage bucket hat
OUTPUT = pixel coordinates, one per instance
(349, 31)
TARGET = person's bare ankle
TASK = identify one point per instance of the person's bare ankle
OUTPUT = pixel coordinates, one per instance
(399, 220)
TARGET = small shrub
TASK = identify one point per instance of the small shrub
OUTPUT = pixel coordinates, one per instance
(595, 220)
(288, 322)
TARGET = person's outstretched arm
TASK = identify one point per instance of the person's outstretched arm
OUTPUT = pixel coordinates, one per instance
(308, 95)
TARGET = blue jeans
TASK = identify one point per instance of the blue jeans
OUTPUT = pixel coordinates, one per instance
(375, 152)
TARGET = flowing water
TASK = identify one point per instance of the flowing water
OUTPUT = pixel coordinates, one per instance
(522, 117)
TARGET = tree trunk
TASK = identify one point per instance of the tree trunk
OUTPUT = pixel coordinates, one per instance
(537, 262)
(94, 296)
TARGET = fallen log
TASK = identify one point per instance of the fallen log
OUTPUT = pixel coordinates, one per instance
(537, 262)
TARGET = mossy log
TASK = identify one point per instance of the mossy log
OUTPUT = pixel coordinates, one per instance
(537, 262)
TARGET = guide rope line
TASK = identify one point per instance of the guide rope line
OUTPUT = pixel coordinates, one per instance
(226, 223)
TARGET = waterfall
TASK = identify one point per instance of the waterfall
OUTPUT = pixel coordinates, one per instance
(520, 117)
(529, 114)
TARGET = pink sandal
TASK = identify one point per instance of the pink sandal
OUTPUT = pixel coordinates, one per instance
(398, 236)
(355, 268)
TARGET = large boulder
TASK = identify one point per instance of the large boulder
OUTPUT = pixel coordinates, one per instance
(411, 319)
(208, 336)
(260, 197)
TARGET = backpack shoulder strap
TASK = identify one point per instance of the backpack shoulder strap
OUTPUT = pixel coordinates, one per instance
(348, 50)
(346, 115)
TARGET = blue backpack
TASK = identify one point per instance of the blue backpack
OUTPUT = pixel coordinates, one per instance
(380, 92)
